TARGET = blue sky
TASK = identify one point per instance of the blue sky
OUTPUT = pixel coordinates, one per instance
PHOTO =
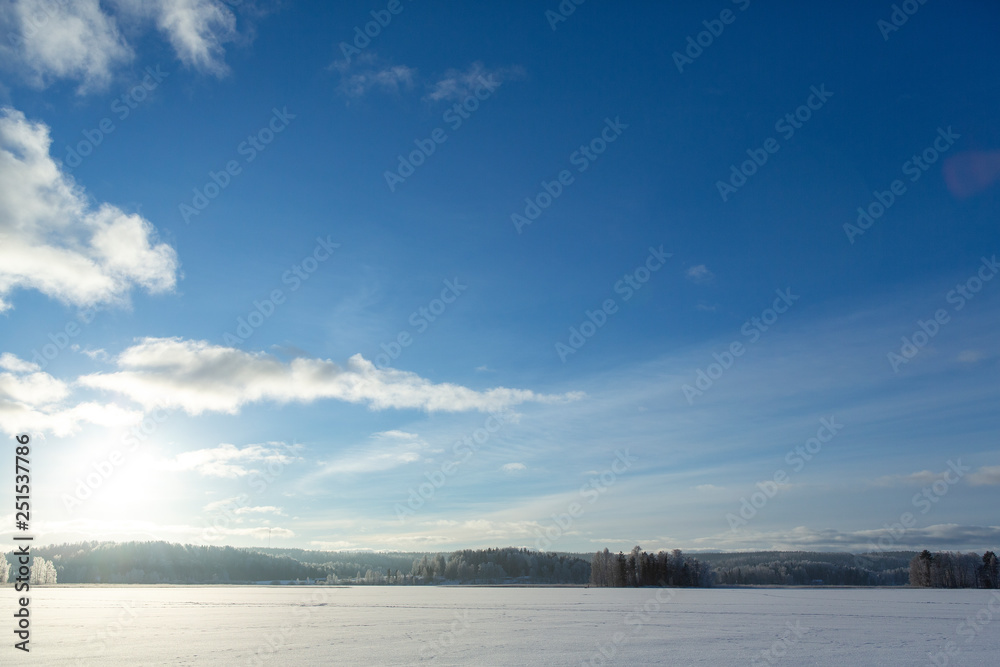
(269, 334)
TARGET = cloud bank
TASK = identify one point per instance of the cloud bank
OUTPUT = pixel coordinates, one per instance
(198, 377)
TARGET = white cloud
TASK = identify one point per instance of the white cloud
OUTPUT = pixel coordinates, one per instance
(235, 505)
(227, 461)
(985, 476)
(457, 85)
(513, 467)
(9, 362)
(197, 376)
(97, 355)
(260, 509)
(32, 401)
(398, 435)
(197, 29)
(699, 274)
(64, 40)
(83, 41)
(54, 241)
(259, 532)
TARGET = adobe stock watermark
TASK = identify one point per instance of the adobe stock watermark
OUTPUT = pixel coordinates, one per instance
(786, 125)
(294, 277)
(627, 286)
(88, 485)
(915, 167)
(592, 489)
(228, 512)
(296, 620)
(924, 501)
(249, 149)
(796, 458)
(112, 632)
(562, 12)
(363, 35)
(970, 628)
(454, 117)
(61, 339)
(445, 640)
(900, 14)
(714, 28)
(581, 158)
(465, 449)
(753, 329)
(792, 635)
(122, 107)
(958, 297)
(636, 621)
(420, 320)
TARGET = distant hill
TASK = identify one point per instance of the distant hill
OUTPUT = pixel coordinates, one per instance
(163, 562)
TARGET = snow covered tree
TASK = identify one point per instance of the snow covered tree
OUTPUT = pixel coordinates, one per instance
(42, 571)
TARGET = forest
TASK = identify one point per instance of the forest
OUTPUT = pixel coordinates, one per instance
(167, 563)
(639, 568)
(945, 569)
(803, 568)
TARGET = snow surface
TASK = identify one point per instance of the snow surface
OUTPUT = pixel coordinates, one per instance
(320, 625)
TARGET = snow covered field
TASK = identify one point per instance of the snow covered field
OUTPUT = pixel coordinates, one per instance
(508, 626)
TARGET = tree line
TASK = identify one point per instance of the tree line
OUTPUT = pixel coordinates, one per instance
(500, 565)
(945, 569)
(792, 568)
(639, 568)
(163, 562)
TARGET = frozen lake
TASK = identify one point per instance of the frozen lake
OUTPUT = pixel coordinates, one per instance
(508, 626)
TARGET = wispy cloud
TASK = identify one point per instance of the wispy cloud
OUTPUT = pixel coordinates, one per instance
(985, 476)
(921, 478)
(386, 450)
(699, 274)
(457, 85)
(368, 72)
(970, 356)
(229, 461)
(85, 41)
(33, 401)
(9, 362)
(198, 31)
(233, 505)
(197, 377)
(67, 40)
(938, 536)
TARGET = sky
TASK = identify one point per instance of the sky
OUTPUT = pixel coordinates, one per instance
(563, 276)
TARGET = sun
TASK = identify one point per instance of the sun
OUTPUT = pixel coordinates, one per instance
(128, 487)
